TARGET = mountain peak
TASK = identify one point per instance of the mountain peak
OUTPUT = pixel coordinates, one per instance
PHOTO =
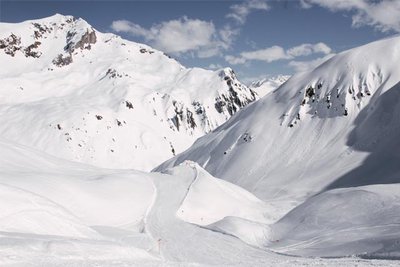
(344, 84)
(146, 106)
(53, 19)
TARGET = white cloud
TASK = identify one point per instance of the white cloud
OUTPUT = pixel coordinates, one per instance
(275, 53)
(177, 36)
(129, 27)
(383, 15)
(301, 66)
(214, 66)
(268, 54)
(193, 36)
(228, 35)
(239, 12)
(308, 49)
(234, 60)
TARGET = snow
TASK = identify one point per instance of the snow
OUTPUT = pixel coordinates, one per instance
(258, 149)
(23, 211)
(268, 85)
(226, 198)
(297, 145)
(95, 98)
(77, 188)
(310, 170)
(43, 223)
(350, 221)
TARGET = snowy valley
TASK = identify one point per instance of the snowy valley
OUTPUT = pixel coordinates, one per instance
(115, 154)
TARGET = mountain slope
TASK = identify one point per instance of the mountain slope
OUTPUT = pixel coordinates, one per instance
(92, 97)
(267, 85)
(334, 126)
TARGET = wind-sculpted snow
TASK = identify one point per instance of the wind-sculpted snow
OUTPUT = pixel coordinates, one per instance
(227, 200)
(59, 213)
(90, 194)
(26, 212)
(92, 97)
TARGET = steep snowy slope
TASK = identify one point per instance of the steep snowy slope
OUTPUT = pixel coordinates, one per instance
(267, 85)
(87, 96)
(335, 126)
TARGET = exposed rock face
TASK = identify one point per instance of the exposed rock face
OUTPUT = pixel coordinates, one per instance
(62, 60)
(321, 100)
(29, 51)
(237, 97)
(86, 40)
(75, 40)
(228, 102)
(11, 44)
(40, 30)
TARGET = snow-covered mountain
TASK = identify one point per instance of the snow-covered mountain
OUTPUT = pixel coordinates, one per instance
(311, 169)
(267, 85)
(333, 127)
(93, 97)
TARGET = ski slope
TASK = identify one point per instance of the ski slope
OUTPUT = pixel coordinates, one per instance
(60, 213)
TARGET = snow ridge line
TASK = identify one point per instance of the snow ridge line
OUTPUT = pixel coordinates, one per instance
(149, 209)
(196, 175)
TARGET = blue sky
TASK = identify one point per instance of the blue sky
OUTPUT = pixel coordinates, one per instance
(256, 37)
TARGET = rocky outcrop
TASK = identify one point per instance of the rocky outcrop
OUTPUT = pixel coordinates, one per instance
(73, 42)
(86, 40)
(62, 60)
(237, 97)
(30, 50)
(228, 102)
(11, 44)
